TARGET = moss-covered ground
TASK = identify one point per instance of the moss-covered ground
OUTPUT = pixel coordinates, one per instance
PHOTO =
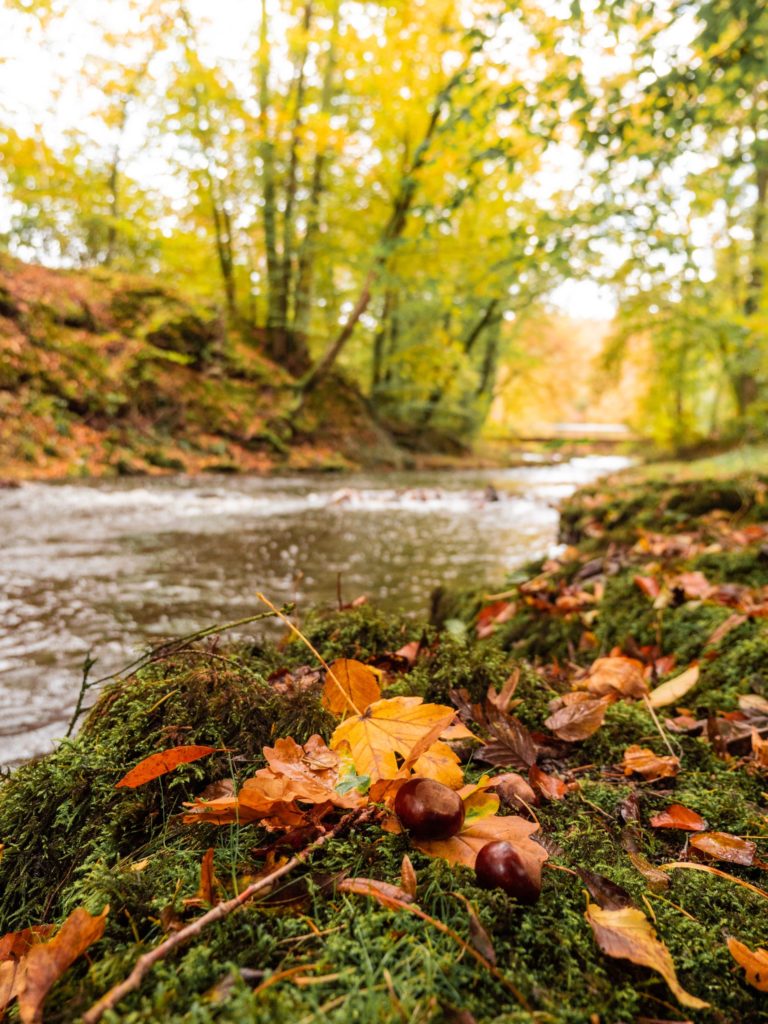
(71, 839)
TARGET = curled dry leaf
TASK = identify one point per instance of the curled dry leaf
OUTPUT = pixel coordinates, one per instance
(549, 786)
(209, 884)
(579, 719)
(754, 963)
(390, 896)
(678, 816)
(408, 876)
(619, 675)
(722, 846)
(627, 934)
(155, 765)
(387, 728)
(350, 687)
(643, 761)
(674, 689)
(514, 791)
(47, 961)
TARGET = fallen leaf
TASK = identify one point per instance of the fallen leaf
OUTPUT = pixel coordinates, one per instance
(15, 945)
(209, 883)
(478, 936)
(47, 961)
(514, 791)
(643, 761)
(579, 719)
(732, 622)
(511, 744)
(350, 687)
(493, 615)
(627, 934)
(754, 963)
(155, 765)
(549, 786)
(440, 763)
(657, 879)
(620, 675)
(674, 689)
(608, 894)
(649, 585)
(759, 750)
(408, 876)
(475, 834)
(388, 895)
(677, 816)
(694, 585)
(722, 846)
(387, 728)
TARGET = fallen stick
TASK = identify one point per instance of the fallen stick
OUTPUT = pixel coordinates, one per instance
(145, 962)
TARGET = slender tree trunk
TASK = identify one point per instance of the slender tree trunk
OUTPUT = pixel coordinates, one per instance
(746, 386)
(486, 319)
(275, 324)
(379, 343)
(223, 240)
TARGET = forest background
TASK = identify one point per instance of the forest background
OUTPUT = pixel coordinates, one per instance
(484, 215)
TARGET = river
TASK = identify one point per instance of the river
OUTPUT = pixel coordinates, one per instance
(107, 566)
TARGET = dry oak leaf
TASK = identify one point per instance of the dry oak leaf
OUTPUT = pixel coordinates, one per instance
(476, 832)
(47, 961)
(643, 761)
(387, 728)
(678, 816)
(155, 765)
(350, 687)
(722, 846)
(754, 963)
(578, 720)
(627, 934)
(674, 689)
(620, 675)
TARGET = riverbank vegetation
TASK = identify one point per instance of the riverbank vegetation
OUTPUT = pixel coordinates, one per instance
(397, 193)
(608, 688)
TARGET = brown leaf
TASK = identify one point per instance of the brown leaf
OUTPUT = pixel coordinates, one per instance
(155, 765)
(677, 816)
(608, 894)
(722, 846)
(643, 761)
(649, 585)
(502, 698)
(732, 622)
(493, 615)
(350, 687)
(549, 786)
(15, 945)
(657, 879)
(627, 934)
(408, 876)
(578, 720)
(511, 743)
(209, 883)
(674, 689)
(477, 832)
(389, 896)
(47, 961)
(759, 750)
(620, 675)
(514, 791)
(694, 585)
(754, 963)
(387, 728)
(478, 936)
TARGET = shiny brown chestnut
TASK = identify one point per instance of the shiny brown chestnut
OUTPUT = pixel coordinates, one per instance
(428, 809)
(500, 866)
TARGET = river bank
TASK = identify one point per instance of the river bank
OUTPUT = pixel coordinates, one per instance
(661, 576)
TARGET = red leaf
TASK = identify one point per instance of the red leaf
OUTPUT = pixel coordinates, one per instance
(678, 816)
(155, 765)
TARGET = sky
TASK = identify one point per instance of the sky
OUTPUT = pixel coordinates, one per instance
(40, 84)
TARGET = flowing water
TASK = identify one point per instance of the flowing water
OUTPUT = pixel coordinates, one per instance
(108, 566)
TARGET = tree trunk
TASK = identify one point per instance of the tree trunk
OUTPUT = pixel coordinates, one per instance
(275, 323)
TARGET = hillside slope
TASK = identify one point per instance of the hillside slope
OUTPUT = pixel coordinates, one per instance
(112, 374)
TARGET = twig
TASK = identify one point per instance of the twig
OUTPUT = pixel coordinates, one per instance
(651, 711)
(84, 687)
(147, 961)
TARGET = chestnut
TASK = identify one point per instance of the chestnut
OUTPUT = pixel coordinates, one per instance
(428, 809)
(500, 866)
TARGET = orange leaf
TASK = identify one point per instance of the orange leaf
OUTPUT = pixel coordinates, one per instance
(620, 675)
(155, 765)
(677, 816)
(387, 728)
(388, 895)
(15, 945)
(627, 934)
(408, 876)
(578, 719)
(754, 963)
(549, 786)
(477, 832)
(440, 763)
(722, 846)
(350, 687)
(46, 962)
(643, 761)
(649, 585)
(209, 883)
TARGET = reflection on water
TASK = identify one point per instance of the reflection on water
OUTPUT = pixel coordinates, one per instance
(106, 566)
